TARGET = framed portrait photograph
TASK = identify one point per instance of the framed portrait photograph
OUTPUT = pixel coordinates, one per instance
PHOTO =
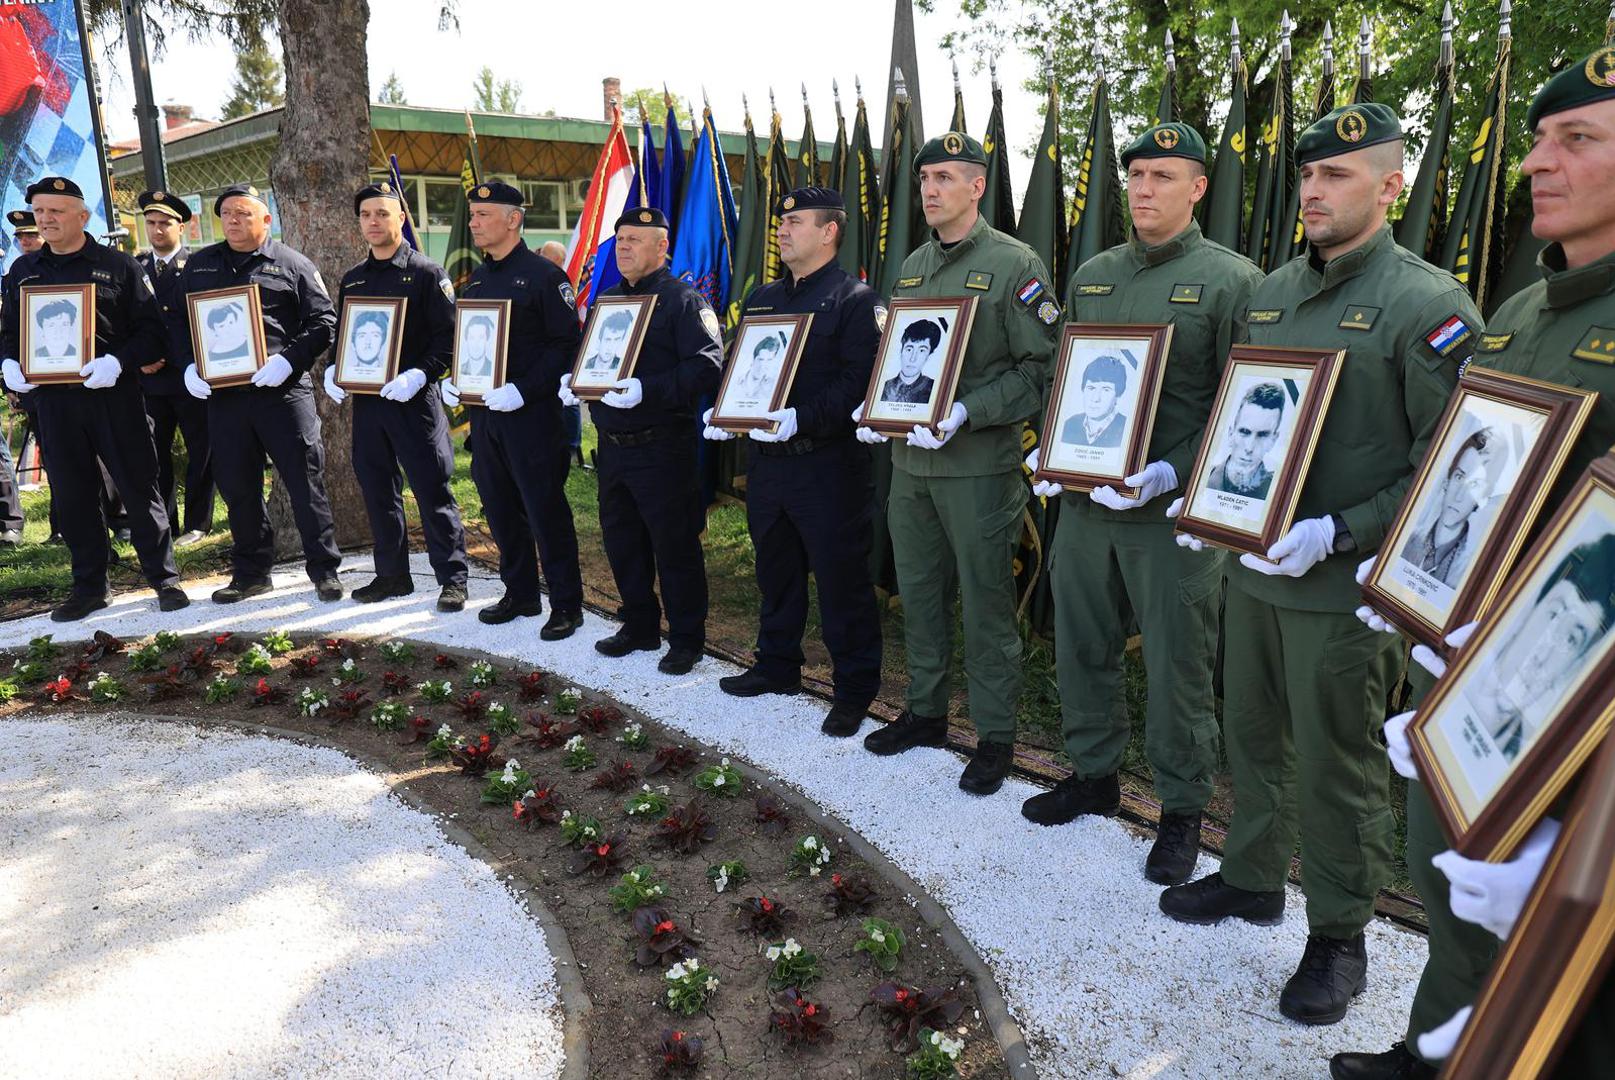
(1247, 477)
(1495, 455)
(1107, 381)
(1531, 695)
(369, 343)
(481, 341)
(57, 330)
(762, 366)
(1557, 959)
(227, 333)
(917, 368)
(611, 342)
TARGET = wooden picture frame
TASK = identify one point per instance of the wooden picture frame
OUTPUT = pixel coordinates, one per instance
(611, 343)
(1529, 698)
(933, 332)
(762, 367)
(1558, 956)
(227, 334)
(1495, 455)
(370, 342)
(56, 326)
(481, 348)
(1266, 419)
(1082, 451)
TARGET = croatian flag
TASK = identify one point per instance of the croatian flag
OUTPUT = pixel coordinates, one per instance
(608, 191)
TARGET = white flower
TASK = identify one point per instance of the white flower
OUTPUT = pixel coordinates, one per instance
(791, 947)
(773, 952)
(676, 972)
(445, 732)
(810, 844)
(349, 665)
(574, 744)
(712, 984)
(950, 1047)
(565, 814)
(813, 871)
(877, 937)
(724, 763)
(717, 781)
(530, 794)
(722, 880)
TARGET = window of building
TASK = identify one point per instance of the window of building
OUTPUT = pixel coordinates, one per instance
(544, 205)
(443, 197)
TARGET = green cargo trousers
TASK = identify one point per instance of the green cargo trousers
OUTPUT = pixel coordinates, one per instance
(969, 522)
(1098, 567)
(1303, 704)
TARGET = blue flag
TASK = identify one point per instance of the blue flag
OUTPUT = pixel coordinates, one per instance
(707, 223)
(671, 189)
(642, 192)
(398, 186)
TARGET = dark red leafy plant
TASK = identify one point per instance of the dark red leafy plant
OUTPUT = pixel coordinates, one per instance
(547, 734)
(601, 857)
(800, 1021)
(199, 663)
(906, 1009)
(619, 777)
(394, 682)
(596, 718)
(662, 941)
(341, 648)
(531, 686)
(59, 691)
(165, 685)
(228, 643)
(417, 729)
(679, 1051)
(349, 704)
(763, 916)
(686, 828)
(672, 759)
(306, 667)
(850, 895)
(75, 670)
(476, 757)
(772, 818)
(473, 706)
(444, 662)
(264, 694)
(542, 807)
(102, 646)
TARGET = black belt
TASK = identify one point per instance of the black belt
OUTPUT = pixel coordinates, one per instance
(645, 436)
(796, 447)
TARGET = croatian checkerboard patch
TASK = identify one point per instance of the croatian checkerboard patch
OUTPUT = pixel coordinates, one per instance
(1029, 292)
(1444, 339)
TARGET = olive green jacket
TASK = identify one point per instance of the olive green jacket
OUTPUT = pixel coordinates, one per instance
(1393, 314)
(1007, 359)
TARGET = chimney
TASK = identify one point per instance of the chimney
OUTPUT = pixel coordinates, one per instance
(611, 87)
(176, 116)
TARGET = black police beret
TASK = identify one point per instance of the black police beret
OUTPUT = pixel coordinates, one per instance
(53, 185)
(950, 146)
(165, 202)
(1348, 128)
(495, 191)
(644, 217)
(812, 198)
(381, 189)
(1580, 84)
(22, 221)
(1167, 140)
(246, 190)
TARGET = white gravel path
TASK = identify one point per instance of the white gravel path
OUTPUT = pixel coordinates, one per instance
(1101, 982)
(177, 902)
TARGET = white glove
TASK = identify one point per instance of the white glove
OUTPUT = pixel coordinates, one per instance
(101, 372)
(1396, 745)
(276, 370)
(1157, 478)
(1439, 1044)
(197, 386)
(568, 398)
(863, 434)
(405, 386)
(12, 372)
(332, 390)
(1493, 894)
(450, 392)
(506, 398)
(785, 418)
(629, 393)
(1193, 543)
(1369, 617)
(710, 432)
(1043, 489)
(1426, 657)
(1306, 544)
(921, 436)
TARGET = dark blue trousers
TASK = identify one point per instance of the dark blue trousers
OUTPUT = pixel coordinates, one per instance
(413, 436)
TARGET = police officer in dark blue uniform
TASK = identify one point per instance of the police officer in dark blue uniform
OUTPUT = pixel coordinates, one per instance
(651, 514)
(404, 425)
(26, 234)
(274, 415)
(518, 451)
(809, 490)
(102, 416)
(170, 408)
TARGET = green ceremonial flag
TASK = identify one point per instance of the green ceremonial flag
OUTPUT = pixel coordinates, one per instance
(1323, 103)
(838, 152)
(807, 151)
(899, 199)
(776, 183)
(1271, 226)
(1423, 219)
(957, 123)
(1166, 111)
(1472, 245)
(1096, 206)
(1043, 211)
(998, 204)
(461, 256)
(860, 188)
(1225, 201)
(749, 236)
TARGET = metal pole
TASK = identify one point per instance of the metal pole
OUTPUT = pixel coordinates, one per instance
(146, 115)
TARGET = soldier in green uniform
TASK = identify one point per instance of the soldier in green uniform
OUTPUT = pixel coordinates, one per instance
(957, 495)
(1305, 682)
(1562, 330)
(1110, 550)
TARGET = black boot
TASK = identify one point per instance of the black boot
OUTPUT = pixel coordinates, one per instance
(906, 732)
(1071, 798)
(1177, 845)
(239, 590)
(451, 598)
(329, 588)
(1394, 1064)
(1331, 973)
(384, 588)
(988, 766)
(1211, 900)
(172, 598)
(844, 719)
(75, 608)
(561, 625)
(622, 643)
(751, 684)
(507, 609)
(678, 660)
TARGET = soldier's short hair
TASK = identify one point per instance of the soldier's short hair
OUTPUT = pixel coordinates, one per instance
(1267, 395)
(484, 321)
(923, 330)
(54, 309)
(838, 218)
(1477, 442)
(618, 322)
(223, 312)
(371, 318)
(1107, 369)
(771, 343)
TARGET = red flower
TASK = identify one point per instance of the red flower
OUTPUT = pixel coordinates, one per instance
(518, 811)
(835, 879)
(665, 926)
(678, 1036)
(767, 904)
(603, 850)
(810, 1010)
(222, 639)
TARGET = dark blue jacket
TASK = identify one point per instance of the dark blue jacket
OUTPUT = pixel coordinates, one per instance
(428, 342)
(680, 360)
(169, 379)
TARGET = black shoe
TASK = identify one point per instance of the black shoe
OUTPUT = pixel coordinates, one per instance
(507, 609)
(561, 625)
(55, 538)
(1394, 1064)
(452, 598)
(988, 766)
(1211, 900)
(906, 732)
(75, 608)
(11, 538)
(622, 643)
(844, 719)
(384, 588)
(1177, 845)
(240, 590)
(1331, 973)
(750, 684)
(328, 589)
(172, 598)
(678, 660)
(1071, 798)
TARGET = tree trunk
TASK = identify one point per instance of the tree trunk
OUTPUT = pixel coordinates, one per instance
(324, 157)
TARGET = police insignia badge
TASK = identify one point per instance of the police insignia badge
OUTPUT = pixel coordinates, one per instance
(157, 196)
(60, 185)
(790, 202)
(483, 192)
(1601, 67)
(646, 216)
(568, 294)
(1352, 126)
(709, 319)
(880, 318)
(1048, 312)
(952, 143)
(448, 288)
(1166, 138)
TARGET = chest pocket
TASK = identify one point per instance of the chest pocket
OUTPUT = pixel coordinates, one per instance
(108, 295)
(276, 291)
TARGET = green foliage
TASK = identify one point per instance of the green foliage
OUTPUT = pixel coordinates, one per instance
(8, 689)
(935, 1058)
(255, 661)
(722, 780)
(397, 652)
(646, 802)
(636, 889)
(392, 91)
(148, 658)
(222, 689)
(656, 109)
(43, 648)
(105, 688)
(278, 642)
(389, 715)
(793, 965)
(883, 941)
(502, 719)
(489, 94)
(258, 84)
(165, 641)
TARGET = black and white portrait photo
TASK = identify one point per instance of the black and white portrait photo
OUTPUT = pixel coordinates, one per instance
(918, 342)
(369, 343)
(1102, 422)
(922, 347)
(1248, 437)
(227, 333)
(1251, 434)
(57, 327)
(481, 330)
(761, 368)
(611, 340)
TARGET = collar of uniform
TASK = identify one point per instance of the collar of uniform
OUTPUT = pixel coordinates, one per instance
(1349, 265)
(399, 258)
(1569, 287)
(798, 284)
(90, 249)
(1156, 254)
(647, 283)
(958, 250)
(521, 245)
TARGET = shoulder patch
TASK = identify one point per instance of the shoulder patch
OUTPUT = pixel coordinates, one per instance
(1048, 312)
(1028, 293)
(1264, 316)
(568, 295)
(1095, 290)
(1187, 294)
(1494, 342)
(1359, 317)
(709, 320)
(909, 282)
(319, 283)
(880, 317)
(1597, 345)
(1452, 332)
(978, 279)
(448, 288)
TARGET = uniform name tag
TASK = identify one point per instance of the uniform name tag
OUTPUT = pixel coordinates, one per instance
(758, 310)
(1359, 317)
(1494, 342)
(1187, 294)
(1264, 317)
(1598, 346)
(978, 279)
(1095, 290)
(908, 282)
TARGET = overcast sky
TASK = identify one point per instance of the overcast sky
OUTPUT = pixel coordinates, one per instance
(560, 52)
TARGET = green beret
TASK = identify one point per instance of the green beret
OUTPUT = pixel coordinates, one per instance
(1348, 128)
(1580, 84)
(1591, 569)
(950, 146)
(1167, 140)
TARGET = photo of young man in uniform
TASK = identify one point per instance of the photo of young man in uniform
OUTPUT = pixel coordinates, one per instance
(610, 345)
(1250, 437)
(366, 344)
(755, 385)
(921, 338)
(476, 350)
(1449, 533)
